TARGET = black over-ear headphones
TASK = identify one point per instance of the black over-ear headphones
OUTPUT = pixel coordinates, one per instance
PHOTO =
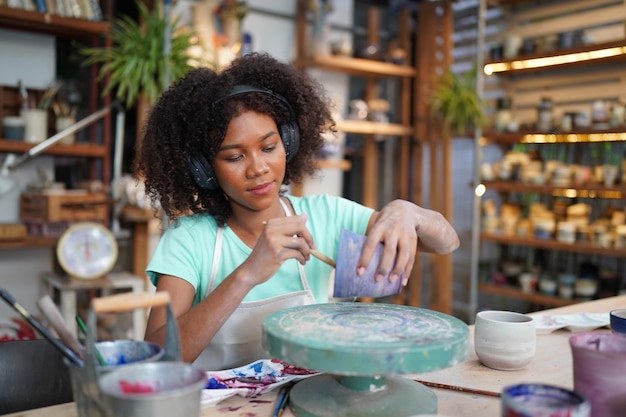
(199, 166)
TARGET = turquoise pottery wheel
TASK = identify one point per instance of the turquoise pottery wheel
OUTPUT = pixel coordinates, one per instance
(360, 347)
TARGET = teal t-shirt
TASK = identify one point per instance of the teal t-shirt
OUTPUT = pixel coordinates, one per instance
(186, 249)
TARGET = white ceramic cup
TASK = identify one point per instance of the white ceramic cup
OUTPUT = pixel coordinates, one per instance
(504, 340)
(63, 123)
(35, 125)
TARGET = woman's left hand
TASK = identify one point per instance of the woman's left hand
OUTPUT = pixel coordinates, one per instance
(404, 228)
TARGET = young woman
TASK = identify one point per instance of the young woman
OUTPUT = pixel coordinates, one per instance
(217, 152)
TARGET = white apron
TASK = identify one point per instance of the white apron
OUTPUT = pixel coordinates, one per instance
(238, 342)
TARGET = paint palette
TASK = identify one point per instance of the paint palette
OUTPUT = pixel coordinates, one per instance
(255, 378)
(578, 322)
(364, 345)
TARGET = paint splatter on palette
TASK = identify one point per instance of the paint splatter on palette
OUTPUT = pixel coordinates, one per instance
(253, 379)
(363, 339)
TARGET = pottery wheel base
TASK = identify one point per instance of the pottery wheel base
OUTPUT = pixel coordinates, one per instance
(335, 396)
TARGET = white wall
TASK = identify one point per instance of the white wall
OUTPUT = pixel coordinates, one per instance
(27, 56)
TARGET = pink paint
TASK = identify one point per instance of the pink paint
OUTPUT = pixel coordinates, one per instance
(137, 387)
(599, 362)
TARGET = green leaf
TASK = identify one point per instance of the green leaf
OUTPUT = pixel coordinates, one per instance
(136, 61)
(456, 101)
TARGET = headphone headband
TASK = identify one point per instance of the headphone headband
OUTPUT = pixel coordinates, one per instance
(246, 88)
(200, 168)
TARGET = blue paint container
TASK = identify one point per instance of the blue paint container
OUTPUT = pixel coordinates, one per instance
(122, 352)
(117, 354)
(541, 400)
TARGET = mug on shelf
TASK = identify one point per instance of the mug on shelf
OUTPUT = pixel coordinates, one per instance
(35, 125)
(63, 123)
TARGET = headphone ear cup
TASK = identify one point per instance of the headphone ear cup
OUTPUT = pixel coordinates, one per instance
(290, 135)
(202, 172)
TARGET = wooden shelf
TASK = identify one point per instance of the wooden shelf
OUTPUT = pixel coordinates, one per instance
(586, 49)
(77, 149)
(531, 297)
(552, 244)
(574, 191)
(47, 23)
(356, 66)
(342, 164)
(578, 136)
(29, 242)
(373, 128)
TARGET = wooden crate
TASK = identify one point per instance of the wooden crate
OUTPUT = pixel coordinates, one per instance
(66, 206)
(12, 231)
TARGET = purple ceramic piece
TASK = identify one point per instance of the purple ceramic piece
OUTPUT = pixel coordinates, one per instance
(348, 283)
(599, 362)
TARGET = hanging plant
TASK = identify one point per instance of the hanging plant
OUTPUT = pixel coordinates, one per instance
(456, 101)
(137, 62)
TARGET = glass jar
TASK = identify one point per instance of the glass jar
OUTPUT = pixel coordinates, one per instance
(545, 115)
(503, 114)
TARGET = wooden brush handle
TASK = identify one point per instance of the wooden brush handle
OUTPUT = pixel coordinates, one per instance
(323, 258)
(130, 301)
(54, 316)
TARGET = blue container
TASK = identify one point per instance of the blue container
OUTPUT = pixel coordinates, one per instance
(532, 400)
(618, 320)
(13, 128)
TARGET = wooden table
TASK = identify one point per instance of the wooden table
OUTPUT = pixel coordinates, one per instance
(551, 365)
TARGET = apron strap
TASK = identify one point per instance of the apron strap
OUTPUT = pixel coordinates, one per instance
(303, 277)
(217, 253)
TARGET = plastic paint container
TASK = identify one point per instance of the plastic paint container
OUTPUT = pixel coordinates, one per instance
(541, 400)
(13, 128)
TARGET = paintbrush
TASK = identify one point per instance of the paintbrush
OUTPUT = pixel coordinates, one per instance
(459, 389)
(319, 255)
(323, 258)
(66, 351)
(283, 399)
(54, 316)
(83, 329)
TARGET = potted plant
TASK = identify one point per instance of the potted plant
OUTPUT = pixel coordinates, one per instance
(456, 101)
(136, 66)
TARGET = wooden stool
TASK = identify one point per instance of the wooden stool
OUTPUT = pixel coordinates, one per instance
(68, 289)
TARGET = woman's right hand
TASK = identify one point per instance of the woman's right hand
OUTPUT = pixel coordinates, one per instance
(282, 238)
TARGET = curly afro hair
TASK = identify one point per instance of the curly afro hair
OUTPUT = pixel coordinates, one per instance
(184, 121)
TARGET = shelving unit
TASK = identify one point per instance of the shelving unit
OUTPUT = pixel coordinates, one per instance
(423, 152)
(372, 71)
(584, 65)
(12, 18)
(98, 147)
(533, 298)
